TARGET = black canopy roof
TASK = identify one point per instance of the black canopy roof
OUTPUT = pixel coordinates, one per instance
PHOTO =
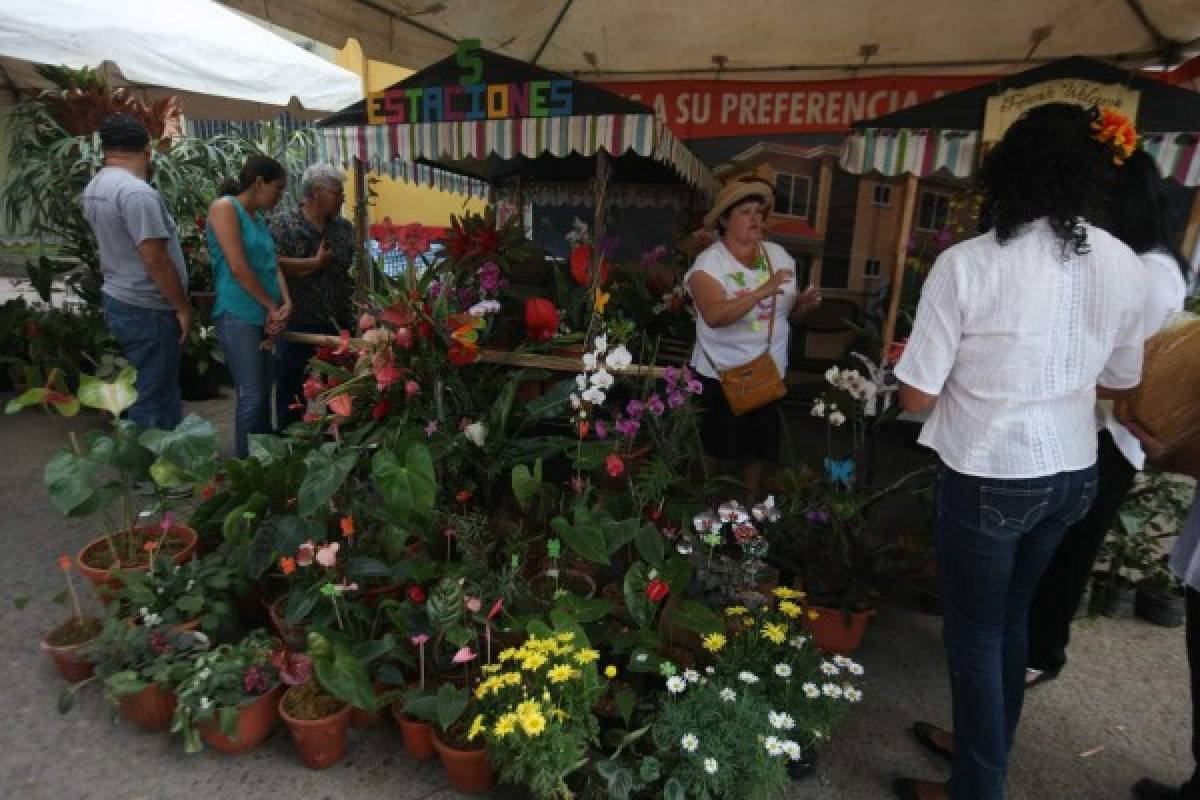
(1161, 109)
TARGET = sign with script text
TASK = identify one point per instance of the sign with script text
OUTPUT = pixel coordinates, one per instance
(1004, 108)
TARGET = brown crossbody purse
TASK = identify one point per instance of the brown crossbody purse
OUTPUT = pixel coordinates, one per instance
(756, 383)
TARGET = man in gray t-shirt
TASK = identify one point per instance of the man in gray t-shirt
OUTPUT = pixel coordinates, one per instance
(145, 296)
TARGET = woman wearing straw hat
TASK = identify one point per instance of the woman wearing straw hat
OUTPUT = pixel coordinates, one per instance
(744, 289)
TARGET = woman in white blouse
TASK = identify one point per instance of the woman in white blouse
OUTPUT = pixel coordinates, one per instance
(1015, 330)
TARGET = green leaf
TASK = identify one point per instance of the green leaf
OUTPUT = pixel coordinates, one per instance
(409, 487)
(192, 603)
(72, 481)
(525, 484)
(620, 784)
(361, 567)
(649, 770)
(626, 702)
(267, 448)
(345, 677)
(650, 546)
(673, 790)
(186, 455)
(639, 606)
(585, 539)
(115, 397)
(326, 471)
(451, 703)
(695, 617)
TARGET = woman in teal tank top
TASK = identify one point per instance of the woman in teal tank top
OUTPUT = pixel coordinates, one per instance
(252, 304)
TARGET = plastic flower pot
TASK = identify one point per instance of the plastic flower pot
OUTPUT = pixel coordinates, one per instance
(95, 559)
(63, 643)
(150, 709)
(321, 742)
(1120, 598)
(417, 734)
(469, 771)
(256, 719)
(1162, 607)
(834, 633)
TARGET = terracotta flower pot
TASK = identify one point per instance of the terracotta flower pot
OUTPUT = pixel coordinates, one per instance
(150, 709)
(255, 721)
(321, 742)
(66, 657)
(833, 634)
(294, 636)
(417, 735)
(469, 771)
(103, 576)
(360, 717)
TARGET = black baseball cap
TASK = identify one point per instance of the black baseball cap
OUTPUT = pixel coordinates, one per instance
(123, 132)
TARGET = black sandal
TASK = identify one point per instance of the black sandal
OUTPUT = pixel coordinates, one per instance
(923, 732)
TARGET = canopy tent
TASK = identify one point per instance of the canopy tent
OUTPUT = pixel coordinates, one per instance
(634, 38)
(221, 64)
(515, 119)
(945, 134)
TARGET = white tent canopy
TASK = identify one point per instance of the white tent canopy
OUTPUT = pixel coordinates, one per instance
(611, 39)
(222, 64)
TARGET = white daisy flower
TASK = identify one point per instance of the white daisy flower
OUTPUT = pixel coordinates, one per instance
(710, 766)
(783, 670)
(855, 669)
(829, 669)
(747, 677)
(689, 742)
(831, 690)
(781, 720)
(811, 691)
(842, 661)
(853, 695)
(728, 695)
(676, 684)
(773, 745)
(691, 676)
(792, 750)
(798, 642)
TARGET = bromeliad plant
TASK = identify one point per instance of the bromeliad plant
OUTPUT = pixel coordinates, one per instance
(214, 684)
(534, 708)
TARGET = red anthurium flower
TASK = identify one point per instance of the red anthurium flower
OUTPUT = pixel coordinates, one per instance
(342, 405)
(416, 594)
(462, 353)
(347, 525)
(613, 465)
(380, 409)
(581, 266)
(463, 496)
(403, 338)
(541, 319)
(386, 374)
(657, 590)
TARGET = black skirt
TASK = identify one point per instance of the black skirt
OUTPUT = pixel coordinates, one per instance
(753, 435)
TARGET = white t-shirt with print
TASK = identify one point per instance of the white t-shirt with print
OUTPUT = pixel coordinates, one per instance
(744, 340)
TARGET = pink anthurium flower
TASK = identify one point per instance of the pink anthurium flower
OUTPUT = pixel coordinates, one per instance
(327, 554)
(464, 655)
(304, 554)
(496, 607)
(342, 405)
(419, 639)
(474, 604)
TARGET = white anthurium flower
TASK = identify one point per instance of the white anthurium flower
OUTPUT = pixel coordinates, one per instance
(603, 379)
(837, 419)
(619, 358)
(589, 361)
(477, 433)
(594, 395)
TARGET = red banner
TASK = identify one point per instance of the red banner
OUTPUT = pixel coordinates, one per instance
(708, 109)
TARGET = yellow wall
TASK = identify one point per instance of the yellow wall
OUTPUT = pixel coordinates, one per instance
(403, 202)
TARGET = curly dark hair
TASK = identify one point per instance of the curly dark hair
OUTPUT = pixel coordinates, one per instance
(1048, 165)
(1140, 215)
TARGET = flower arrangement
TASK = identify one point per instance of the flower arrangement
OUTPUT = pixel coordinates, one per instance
(534, 710)
(728, 547)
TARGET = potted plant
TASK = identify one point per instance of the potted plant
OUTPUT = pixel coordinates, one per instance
(193, 594)
(64, 642)
(140, 666)
(1128, 550)
(1160, 597)
(98, 474)
(534, 709)
(228, 697)
(201, 366)
(464, 758)
(415, 732)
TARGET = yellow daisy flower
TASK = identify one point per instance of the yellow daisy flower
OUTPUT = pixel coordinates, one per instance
(736, 611)
(775, 632)
(533, 661)
(505, 725)
(477, 728)
(560, 673)
(784, 593)
(532, 724)
(790, 609)
(586, 656)
(713, 642)
(610, 672)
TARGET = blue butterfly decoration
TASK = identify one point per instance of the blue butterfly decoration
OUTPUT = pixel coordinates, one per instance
(840, 472)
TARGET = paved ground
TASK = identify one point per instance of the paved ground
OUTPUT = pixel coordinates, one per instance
(1118, 713)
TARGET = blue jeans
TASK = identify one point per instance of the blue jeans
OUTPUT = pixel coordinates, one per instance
(994, 540)
(149, 339)
(250, 366)
(291, 363)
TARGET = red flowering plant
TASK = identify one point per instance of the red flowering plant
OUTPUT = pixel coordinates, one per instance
(582, 284)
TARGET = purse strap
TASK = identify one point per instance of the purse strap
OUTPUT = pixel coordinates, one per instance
(770, 325)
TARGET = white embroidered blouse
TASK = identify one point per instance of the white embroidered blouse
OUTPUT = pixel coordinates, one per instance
(1014, 339)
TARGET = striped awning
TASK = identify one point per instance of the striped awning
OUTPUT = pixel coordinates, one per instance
(902, 151)
(380, 146)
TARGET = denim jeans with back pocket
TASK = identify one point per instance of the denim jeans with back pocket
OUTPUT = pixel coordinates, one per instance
(149, 340)
(994, 540)
(251, 369)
